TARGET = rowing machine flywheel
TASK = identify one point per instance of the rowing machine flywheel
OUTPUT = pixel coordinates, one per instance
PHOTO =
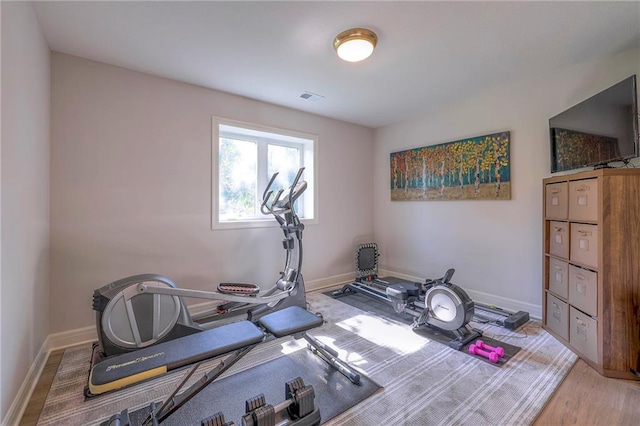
(450, 308)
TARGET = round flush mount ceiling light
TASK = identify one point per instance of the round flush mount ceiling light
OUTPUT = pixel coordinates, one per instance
(355, 44)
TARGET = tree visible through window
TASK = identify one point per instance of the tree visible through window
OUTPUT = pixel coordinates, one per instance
(285, 161)
(246, 159)
(238, 185)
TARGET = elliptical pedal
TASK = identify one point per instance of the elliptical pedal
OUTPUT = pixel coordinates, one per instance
(238, 288)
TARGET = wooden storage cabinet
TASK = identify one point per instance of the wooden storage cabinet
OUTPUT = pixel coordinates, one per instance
(591, 261)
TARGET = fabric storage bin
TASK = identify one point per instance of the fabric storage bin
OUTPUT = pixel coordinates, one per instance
(584, 244)
(559, 239)
(583, 290)
(556, 200)
(583, 334)
(583, 200)
(557, 316)
(558, 277)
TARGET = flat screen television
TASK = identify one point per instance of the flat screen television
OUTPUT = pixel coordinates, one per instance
(600, 130)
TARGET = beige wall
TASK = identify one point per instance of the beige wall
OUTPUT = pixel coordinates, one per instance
(131, 187)
(25, 196)
(495, 246)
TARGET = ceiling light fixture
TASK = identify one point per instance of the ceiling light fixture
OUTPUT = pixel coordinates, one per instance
(355, 44)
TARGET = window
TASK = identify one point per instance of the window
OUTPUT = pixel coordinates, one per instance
(245, 157)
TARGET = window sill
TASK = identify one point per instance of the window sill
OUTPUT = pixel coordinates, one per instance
(250, 224)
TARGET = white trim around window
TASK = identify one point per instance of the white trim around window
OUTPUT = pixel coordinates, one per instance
(306, 143)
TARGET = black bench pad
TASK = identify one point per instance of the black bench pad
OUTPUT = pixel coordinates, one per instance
(128, 368)
(133, 367)
(291, 320)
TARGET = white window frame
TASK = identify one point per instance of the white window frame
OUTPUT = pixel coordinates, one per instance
(308, 210)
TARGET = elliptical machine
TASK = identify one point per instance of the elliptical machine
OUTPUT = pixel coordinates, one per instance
(438, 303)
(143, 310)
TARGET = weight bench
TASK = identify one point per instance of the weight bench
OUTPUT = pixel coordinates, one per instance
(235, 338)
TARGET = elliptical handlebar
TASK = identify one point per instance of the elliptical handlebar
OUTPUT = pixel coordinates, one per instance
(282, 205)
(445, 280)
(447, 276)
(295, 190)
(267, 194)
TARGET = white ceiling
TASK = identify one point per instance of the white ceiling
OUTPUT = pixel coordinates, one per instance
(429, 53)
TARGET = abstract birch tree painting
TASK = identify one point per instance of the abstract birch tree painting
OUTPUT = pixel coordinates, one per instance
(470, 169)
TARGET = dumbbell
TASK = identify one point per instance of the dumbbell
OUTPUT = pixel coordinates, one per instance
(492, 356)
(482, 345)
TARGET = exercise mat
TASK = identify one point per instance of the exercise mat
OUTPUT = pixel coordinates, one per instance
(385, 310)
(334, 393)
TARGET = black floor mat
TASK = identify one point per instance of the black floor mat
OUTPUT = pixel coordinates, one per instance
(334, 393)
(385, 310)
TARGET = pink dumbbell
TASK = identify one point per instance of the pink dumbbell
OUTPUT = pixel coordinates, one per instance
(492, 356)
(482, 345)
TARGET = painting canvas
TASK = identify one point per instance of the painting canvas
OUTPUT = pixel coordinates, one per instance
(470, 169)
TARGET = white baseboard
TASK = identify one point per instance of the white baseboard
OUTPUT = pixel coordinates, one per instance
(53, 342)
(329, 282)
(70, 338)
(19, 404)
(535, 311)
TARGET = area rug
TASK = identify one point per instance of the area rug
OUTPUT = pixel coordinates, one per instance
(334, 393)
(385, 310)
(425, 382)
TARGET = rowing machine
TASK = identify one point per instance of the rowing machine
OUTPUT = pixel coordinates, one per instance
(438, 303)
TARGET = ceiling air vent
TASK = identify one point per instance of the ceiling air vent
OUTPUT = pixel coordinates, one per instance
(311, 96)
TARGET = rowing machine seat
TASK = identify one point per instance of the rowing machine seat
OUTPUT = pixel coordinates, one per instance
(403, 291)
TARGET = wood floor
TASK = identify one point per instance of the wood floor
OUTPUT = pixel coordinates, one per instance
(583, 398)
(587, 398)
(32, 412)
